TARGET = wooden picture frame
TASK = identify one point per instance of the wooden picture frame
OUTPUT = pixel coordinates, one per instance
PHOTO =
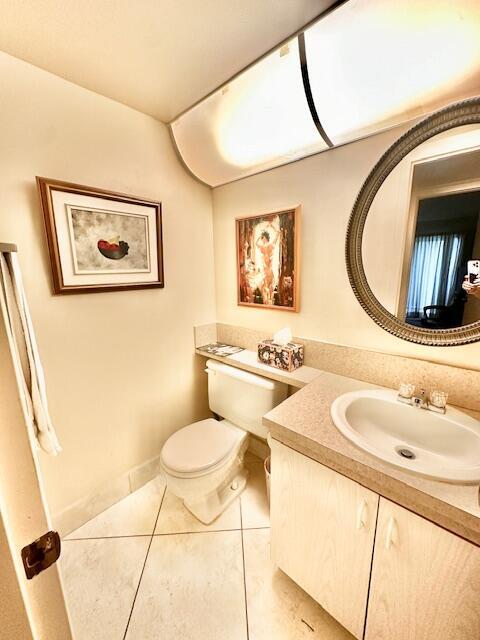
(268, 260)
(101, 240)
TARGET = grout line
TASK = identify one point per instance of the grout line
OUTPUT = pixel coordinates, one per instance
(244, 574)
(156, 535)
(133, 535)
(144, 564)
(187, 533)
(184, 533)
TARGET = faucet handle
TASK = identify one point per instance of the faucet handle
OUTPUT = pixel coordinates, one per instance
(406, 390)
(439, 399)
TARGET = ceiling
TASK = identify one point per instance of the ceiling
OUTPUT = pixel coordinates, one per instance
(157, 56)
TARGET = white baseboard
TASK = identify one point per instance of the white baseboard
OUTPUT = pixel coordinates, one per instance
(87, 508)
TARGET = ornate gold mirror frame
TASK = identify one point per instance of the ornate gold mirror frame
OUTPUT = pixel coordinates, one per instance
(455, 115)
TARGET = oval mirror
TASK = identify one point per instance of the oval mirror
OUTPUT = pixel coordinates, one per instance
(413, 239)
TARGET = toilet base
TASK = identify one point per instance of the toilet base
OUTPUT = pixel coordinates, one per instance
(211, 506)
(206, 496)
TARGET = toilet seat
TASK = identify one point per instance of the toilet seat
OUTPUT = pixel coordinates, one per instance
(200, 447)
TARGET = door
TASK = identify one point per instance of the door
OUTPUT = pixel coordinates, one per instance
(425, 581)
(31, 609)
(323, 528)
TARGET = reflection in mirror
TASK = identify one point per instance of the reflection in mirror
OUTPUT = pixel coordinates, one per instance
(421, 244)
(447, 237)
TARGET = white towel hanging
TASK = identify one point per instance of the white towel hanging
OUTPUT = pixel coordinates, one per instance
(31, 384)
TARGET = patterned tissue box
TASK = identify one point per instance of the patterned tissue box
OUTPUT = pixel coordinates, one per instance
(287, 357)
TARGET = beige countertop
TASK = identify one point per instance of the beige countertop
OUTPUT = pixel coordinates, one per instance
(303, 423)
(248, 361)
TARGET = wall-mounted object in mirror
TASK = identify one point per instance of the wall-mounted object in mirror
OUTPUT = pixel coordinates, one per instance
(101, 240)
(268, 260)
(413, 239)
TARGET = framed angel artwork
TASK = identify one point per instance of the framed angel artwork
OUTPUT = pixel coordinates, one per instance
(268, 248)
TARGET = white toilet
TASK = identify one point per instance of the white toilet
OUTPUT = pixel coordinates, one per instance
(203, 462)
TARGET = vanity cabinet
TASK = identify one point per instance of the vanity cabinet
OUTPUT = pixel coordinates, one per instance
(425, 581)
(420, 581)
(323, 528)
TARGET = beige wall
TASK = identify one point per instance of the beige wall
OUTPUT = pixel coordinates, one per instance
(326, 186)
(120, 370)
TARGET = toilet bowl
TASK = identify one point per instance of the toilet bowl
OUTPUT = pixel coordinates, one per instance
(203, 465)
(203, 461)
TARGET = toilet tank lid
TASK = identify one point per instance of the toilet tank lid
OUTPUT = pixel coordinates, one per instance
(200, 445)
(240, 374)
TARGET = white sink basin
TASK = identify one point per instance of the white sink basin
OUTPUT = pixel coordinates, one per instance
(444, 447)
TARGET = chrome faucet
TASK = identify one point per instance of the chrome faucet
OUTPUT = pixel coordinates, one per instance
(420, 401)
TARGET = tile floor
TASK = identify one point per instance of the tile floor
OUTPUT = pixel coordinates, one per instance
(146, 569)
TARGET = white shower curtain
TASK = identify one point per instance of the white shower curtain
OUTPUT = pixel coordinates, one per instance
(30, 377)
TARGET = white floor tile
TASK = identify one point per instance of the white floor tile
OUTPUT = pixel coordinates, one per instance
(192, 589)
(277, 608)
(135, 515)
(175, 518)
(100, 578)
(255, 509)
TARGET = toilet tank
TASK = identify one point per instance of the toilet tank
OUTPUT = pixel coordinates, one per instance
(242, 397)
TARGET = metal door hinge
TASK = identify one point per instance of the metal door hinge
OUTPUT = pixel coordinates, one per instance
(41, 554)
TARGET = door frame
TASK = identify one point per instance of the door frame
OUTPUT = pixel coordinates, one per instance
(37, 606)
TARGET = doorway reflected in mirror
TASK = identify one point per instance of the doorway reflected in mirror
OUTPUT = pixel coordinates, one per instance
(447, 237)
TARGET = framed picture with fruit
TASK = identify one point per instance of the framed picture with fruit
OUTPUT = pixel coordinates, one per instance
(101, 240)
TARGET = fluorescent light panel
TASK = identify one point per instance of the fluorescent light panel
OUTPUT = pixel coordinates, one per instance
(376, 63)
(372, 64)
(259, 121)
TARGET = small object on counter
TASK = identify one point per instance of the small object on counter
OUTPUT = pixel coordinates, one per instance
(220, 349)
(287, 356)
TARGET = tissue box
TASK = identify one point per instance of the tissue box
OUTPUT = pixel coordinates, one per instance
(287, 357)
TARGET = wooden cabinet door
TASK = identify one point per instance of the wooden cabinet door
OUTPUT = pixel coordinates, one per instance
(425, 581)
(323, 528)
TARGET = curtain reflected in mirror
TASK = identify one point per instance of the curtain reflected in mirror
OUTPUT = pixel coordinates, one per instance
(447, 237)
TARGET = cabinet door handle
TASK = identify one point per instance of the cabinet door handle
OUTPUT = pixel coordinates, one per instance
(391, 529)
(362, 514)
